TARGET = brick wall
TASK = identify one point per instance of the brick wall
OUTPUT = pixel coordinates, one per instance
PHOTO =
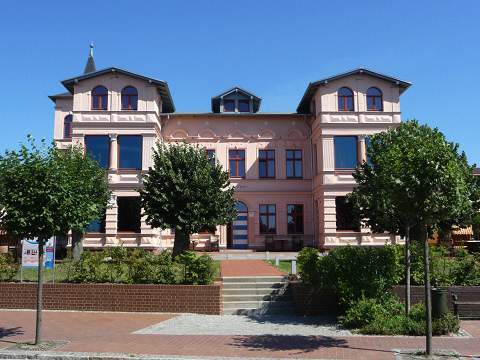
(204, 299)
(311, 301)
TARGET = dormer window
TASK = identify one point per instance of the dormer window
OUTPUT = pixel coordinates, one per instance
(243, 105)
(236, 100)
(228, 105)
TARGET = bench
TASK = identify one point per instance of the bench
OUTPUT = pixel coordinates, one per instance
(465, 309)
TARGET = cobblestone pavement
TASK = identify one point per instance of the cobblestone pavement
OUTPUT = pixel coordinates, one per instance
(115, 333)
(231, 268)
(193, 324)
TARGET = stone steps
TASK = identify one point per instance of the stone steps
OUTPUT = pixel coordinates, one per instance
(256, 295)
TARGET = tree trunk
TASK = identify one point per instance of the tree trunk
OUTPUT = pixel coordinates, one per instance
(38, 325)
(407, 270)
(428, 299)
(77, 245)
(181, 244)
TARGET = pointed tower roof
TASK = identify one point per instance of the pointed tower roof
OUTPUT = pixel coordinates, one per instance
(90, 66)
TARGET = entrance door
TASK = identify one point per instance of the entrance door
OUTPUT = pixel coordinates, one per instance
(240, 228)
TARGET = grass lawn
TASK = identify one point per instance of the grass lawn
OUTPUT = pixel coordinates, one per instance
(284, 265)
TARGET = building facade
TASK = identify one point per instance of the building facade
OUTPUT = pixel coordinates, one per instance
(291, 171)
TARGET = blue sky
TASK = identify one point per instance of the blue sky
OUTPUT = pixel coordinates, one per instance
(273, 48)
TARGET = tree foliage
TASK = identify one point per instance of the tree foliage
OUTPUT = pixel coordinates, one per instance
(45, 191)
(186, 192)
(416, 178)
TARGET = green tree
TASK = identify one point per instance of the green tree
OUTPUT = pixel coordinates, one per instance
(185, 192)
(45, 191)
(415, 179)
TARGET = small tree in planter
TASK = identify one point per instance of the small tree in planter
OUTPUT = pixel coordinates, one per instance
(45, 191)
(186, 192)
(415, 179)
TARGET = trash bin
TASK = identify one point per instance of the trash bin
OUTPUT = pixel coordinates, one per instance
(439, 302)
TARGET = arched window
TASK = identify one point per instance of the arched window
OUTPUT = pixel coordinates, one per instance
(67, 127)
(129, 98)
(345, 99)
(99, 98)
(241, 207)
(374, 99)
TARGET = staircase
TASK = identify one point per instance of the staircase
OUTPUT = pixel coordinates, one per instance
(256, 295)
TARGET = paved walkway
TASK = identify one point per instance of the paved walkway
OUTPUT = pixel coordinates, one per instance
(237, 268)
(115, 333)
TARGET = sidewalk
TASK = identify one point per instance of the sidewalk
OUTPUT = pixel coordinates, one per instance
(115, 333)
(240, 268)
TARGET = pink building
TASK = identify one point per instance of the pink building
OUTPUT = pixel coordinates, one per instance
(291, 171)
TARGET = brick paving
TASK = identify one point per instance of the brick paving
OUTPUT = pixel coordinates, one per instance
(232, 268)
(113, 332)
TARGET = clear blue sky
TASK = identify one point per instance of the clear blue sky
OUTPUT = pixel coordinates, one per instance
(273, 48)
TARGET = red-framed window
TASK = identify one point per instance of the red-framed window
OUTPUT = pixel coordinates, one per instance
(268, 219)
(129, 98)
(295, 219)
(99, 98)
(374, 99)
(345, 99)
(236, 160)
(266, 164)
(294, 164)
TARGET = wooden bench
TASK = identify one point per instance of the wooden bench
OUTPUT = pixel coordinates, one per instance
(465, 309)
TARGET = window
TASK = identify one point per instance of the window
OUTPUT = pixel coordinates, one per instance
(345, 99)
(236, 160)
(130, 152)
(346, 152)
(129, 213)
(244, 105)
(97, 226)
(268, 219)
(368, 141)
(345, 216)
(129, 98)
(315, 159)
(100, 98)
(295, 219)
(67, 127)
(211, 156)
(229, 105)
(374, 99)
(266, 164)
(294, 163)
(98, 148)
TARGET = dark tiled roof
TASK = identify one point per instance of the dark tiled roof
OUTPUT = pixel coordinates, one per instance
(304, 106)
(162, 86)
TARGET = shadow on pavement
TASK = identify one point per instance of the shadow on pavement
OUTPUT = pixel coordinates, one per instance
(282, 342)
(294, 320)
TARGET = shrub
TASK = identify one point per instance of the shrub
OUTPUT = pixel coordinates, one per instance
(387, 317)
(8, 267)
(197, 270)
(120, 265)
(352, 271)
(308, 266)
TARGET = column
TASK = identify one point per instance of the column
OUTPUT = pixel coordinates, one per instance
(362, 156)
(111, 221)
(113, 152)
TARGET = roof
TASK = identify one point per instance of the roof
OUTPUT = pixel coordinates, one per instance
(304, 105)
(162, 86)
(476, 171)
(235, 89)
(65, 95)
